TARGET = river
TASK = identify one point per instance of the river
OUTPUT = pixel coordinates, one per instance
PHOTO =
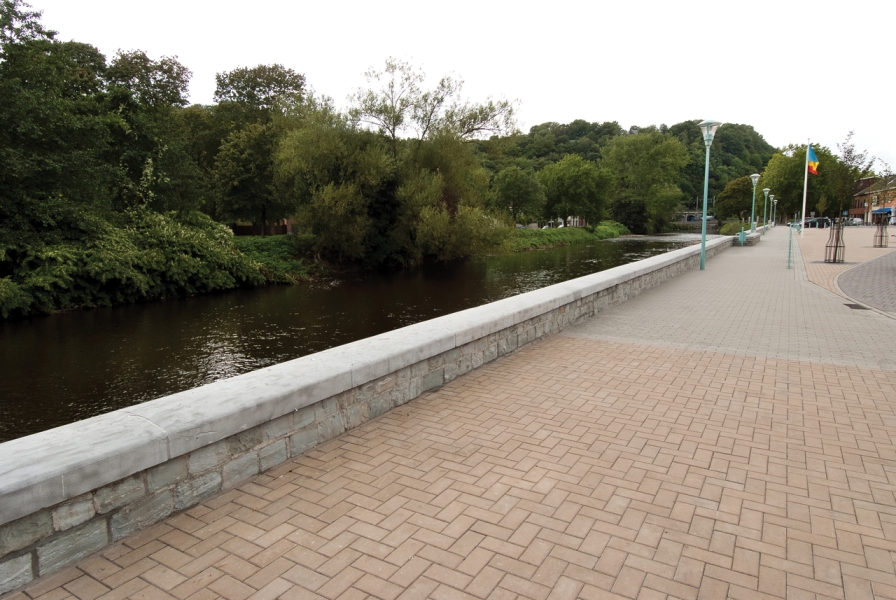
(70, 366)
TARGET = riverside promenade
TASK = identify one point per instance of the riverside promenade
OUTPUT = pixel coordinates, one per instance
(724, 435)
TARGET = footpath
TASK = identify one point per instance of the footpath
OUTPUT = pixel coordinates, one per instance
(728, 434)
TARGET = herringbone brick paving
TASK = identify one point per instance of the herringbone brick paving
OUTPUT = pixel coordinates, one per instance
(579, 467)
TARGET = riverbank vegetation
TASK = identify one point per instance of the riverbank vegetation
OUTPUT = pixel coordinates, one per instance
(115, 189)
(533, 239)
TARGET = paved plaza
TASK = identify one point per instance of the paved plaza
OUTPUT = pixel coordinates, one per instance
(728, 434)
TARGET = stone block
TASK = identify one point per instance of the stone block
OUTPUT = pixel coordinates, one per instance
(452, 355)
(23, 532)
(433, 379)
(419, 369)
(119, 493)
(15, 572)
(330, 427)
(477, 359)
(325, 408)
(384, 384)
(303, 417)
(136, 516)
(399, 396)
(344, 400)
(193, 491)
(167, 473)
(73, 513)
(239, 470)
(365, 392)
(403, 375)
(303, 440)
(209, 457)
(379, 404)
(358, 414)
(71, 546)
(414, 388)
(245, 440)
(450, 371)
(272, 454)
(278, 428)
(490, 354)
(465, 364)
(503, 347)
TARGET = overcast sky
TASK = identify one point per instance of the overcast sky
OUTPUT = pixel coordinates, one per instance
(792, 69)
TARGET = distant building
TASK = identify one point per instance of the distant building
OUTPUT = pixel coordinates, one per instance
(874, 196)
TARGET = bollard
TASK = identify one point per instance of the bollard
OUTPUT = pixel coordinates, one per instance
(742, 236)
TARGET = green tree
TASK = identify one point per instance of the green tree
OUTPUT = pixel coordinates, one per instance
(245, 174)
(785, 173)
(575, 187)
(736, 200)
(520, 192)
(646, 168)
(395, 104)
(263, 88)
(851, 165)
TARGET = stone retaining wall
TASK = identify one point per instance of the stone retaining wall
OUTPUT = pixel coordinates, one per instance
(68, 492)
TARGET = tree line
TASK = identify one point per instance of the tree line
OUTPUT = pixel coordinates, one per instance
(829, 193)
(113, 188)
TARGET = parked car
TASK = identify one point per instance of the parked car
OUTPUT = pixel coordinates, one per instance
(855, 221)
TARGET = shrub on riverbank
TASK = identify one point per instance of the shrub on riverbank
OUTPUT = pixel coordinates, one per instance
(533, 239)
(136, 255)
(733, 228)
(280, 257)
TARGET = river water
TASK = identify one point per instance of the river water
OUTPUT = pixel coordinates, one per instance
(67, 367)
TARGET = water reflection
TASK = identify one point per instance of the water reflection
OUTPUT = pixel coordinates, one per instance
(71, 366)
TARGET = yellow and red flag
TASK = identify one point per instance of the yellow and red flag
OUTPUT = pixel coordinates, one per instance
(812, 161)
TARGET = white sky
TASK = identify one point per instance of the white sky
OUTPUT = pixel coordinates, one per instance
(792, 69)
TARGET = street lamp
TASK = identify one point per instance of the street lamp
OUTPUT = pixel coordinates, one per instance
(708, 128)
(755, 177)
(765, 210)
(774, 210)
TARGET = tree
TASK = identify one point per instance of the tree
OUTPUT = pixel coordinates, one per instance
(575, 187)
(245, 174)
(18, 24)
(785, 174)
(264, 88)
(736, 200)
(520, 191)
(645, 167)
(851, 166)
(395, 104)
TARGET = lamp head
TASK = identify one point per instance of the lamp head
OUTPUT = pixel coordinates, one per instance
(772, 197)
(709, 128)
(766, 191)
(755, 177)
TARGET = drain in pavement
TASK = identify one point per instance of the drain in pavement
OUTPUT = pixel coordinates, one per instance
(856, 306)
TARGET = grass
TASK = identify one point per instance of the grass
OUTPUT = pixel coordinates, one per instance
(280, 257)
(533, 239)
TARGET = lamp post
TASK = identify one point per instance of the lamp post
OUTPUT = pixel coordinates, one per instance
(765, 210)
(774, 210)
(708, 128)
(755, 177)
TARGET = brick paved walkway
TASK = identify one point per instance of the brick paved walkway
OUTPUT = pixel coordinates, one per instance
(727, 434)
(859, 249)
(873, 283)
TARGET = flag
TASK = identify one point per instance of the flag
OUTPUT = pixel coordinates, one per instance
(812, 161)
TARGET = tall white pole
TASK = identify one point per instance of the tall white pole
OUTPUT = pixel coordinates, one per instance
(805, 187)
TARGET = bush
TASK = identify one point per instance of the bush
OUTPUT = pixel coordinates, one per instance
(532, 239)
(279, 256)
(136, 256)
(733, 228)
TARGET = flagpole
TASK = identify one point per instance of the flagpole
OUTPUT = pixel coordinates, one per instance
(805, 187)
